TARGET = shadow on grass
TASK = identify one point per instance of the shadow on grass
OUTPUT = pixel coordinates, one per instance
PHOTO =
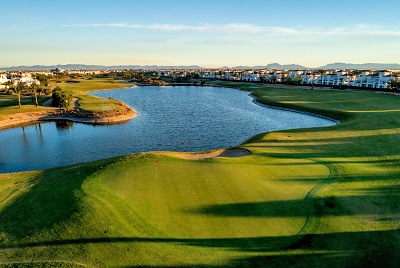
(327, 206)
(52, 197)
(327, 250)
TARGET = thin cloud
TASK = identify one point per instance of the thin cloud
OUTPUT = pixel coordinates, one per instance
(231, 28)
(247, 28)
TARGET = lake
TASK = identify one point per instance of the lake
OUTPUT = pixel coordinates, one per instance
(184, 118)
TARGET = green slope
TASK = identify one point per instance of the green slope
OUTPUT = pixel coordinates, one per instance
(309, 197)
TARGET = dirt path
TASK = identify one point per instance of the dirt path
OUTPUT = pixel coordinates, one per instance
(48, 103)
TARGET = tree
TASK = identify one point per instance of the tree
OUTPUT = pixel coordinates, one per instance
(297, 80)
(20, 89)
(9, 86)
(61, 98)
(44, 82)
(393, 84)
(141, 77)
(312, 80)
(34, 89)
(40, 90)
(288, 79)
(272, 79)
(42, 78)
(341, 82)
(189, 77)
(322, 73)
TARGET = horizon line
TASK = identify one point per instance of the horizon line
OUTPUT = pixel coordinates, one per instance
(199, 66)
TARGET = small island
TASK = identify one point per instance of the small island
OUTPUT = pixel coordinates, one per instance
(61, 96)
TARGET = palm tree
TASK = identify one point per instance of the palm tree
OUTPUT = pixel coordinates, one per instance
(393, 84)
(35, 88)
(322, 73)
(9, 86)
(312, 80)
(19, 89)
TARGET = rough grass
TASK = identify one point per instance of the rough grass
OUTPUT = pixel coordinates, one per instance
(319, 197)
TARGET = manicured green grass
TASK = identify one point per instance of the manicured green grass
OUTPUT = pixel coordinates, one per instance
(85, 84)
(317, 197)
(96, 104)
(9, 104)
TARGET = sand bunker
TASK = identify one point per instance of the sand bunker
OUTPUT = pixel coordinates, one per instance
(233, 152)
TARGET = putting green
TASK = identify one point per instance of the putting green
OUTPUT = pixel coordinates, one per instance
(216, 198)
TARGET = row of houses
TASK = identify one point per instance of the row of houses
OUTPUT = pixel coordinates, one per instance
(78, 72)
(28, 77)
(17, 77)
(355, 78)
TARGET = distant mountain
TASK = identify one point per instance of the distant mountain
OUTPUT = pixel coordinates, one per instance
(95, 67)
(337, 65)
(285, 66)
(367, 66)
(271, 66)
(244, 67)
(241, 67)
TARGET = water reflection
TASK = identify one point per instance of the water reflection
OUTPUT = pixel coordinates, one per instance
(39, 128)
(64, 125)
(24, 136)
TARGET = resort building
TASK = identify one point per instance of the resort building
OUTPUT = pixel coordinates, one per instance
(24, 78)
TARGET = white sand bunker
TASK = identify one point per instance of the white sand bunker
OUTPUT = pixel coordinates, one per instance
(233, 152)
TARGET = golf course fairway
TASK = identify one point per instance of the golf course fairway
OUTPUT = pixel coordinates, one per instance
(316, 197)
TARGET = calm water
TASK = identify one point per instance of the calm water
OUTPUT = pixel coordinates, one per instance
(170, 119)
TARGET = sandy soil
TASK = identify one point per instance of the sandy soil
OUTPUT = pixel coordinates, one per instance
(233, 152)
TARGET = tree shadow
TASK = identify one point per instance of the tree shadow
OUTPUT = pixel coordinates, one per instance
(52, 196)
(320, 206)
(338, 249)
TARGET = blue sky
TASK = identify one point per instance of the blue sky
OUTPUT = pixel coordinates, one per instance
(206, 33)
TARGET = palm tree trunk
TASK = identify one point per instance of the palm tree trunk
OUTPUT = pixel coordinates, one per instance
(312, 82)
(19, 100)
(36, 101)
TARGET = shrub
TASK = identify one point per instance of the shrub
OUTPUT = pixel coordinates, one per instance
(61, 98)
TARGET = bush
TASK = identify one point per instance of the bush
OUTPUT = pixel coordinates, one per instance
(61, 98)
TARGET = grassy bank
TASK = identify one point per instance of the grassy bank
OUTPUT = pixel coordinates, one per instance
(318, 197)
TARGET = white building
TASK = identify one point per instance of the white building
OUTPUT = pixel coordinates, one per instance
(3, 79)
(24, 78)
(373, 79)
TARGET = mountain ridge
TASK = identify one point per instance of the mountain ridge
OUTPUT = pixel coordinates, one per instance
(329, 66)
(369, 66)
(95, 67)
